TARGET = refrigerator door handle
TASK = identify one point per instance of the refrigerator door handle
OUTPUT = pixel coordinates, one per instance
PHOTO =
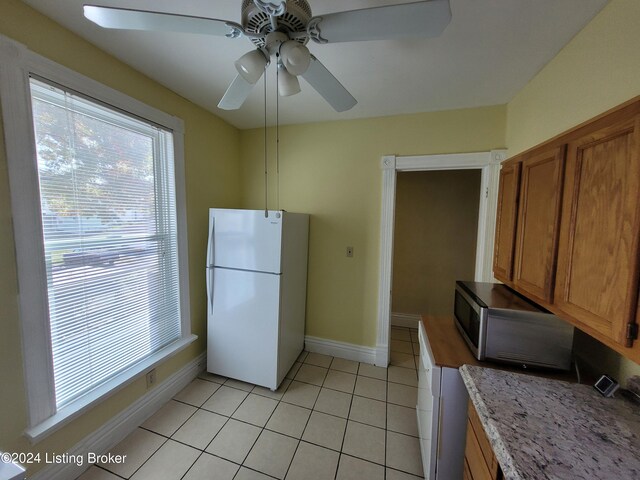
(210, 289)
(210, 240)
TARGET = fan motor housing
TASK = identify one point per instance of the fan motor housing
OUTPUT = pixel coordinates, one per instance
(295, 19)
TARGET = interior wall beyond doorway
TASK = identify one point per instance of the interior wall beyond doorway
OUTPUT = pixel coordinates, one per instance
(436, 225)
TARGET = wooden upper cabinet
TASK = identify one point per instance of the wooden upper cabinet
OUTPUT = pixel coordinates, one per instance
(506, 221)
(597, 271)
(542, 173)
(568, 226)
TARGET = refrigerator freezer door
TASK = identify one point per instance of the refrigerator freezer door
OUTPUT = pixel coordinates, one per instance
(245, 240)
(243, 326)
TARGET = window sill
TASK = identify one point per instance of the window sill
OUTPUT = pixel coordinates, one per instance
(76, 408)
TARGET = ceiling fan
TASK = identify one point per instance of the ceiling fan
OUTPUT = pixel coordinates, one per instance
(281, 29)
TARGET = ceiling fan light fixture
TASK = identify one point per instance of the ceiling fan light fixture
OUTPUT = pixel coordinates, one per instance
(287, 84)
(251, 65)
(295, 57)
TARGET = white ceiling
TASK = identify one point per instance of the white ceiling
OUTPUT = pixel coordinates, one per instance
(489, 51)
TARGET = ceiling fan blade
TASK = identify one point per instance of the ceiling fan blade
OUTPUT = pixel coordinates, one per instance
(418, 19)
(328, 86)
(128, 19)
(236, 94)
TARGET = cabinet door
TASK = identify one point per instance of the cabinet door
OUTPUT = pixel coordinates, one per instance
(466, 475)
(479, 460)
(478, 469)
(538, 222)
(506, 221)
(597, 275)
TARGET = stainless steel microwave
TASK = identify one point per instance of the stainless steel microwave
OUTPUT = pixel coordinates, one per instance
(500, 325)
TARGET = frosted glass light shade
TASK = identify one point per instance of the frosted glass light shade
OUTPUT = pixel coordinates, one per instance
(251, 66)
(287, 84)
(295, 57)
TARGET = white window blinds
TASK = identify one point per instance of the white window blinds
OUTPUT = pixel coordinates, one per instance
(110, 241)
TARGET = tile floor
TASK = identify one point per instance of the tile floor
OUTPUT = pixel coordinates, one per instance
(331, 419)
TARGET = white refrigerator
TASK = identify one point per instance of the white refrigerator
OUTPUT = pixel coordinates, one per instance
(256, 293)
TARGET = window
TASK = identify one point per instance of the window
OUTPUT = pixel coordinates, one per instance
(100, 236)
(108, 218)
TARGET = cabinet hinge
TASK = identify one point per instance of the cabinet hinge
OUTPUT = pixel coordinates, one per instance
(632, 331)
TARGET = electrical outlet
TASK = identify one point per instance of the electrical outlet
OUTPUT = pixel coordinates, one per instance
(151, 378)
(349, 252)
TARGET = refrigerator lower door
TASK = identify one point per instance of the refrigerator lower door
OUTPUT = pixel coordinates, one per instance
(243, 325)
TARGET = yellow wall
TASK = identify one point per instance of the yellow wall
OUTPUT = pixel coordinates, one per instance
(332, 171)
(435, 236)
(597, 70)
(212, 179)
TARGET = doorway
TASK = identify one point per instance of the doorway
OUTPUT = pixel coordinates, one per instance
(435, 232)
(489, 165)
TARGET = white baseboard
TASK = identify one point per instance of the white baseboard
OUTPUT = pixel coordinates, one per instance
(410, 320)
(348, 351)
(116, 429)
(382, 356)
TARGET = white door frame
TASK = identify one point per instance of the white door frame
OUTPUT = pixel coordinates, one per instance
(489, 164)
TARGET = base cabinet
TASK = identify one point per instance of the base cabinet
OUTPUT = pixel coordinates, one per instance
(480, 463)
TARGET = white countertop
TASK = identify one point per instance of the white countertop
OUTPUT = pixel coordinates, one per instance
(549, 429)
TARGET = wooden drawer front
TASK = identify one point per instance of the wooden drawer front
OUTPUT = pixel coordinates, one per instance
(474, 457)
(506, 221)
(466, 474)
(597, 277)
(482, 440)
(538, 223)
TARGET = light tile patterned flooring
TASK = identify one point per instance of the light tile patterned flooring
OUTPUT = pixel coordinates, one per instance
(331, 419)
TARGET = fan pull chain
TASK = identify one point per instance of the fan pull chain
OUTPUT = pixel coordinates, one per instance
(266, 177)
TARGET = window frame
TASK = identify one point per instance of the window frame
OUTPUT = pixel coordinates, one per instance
(17, 65)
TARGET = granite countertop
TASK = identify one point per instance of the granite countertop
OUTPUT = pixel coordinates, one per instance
(549, 429)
